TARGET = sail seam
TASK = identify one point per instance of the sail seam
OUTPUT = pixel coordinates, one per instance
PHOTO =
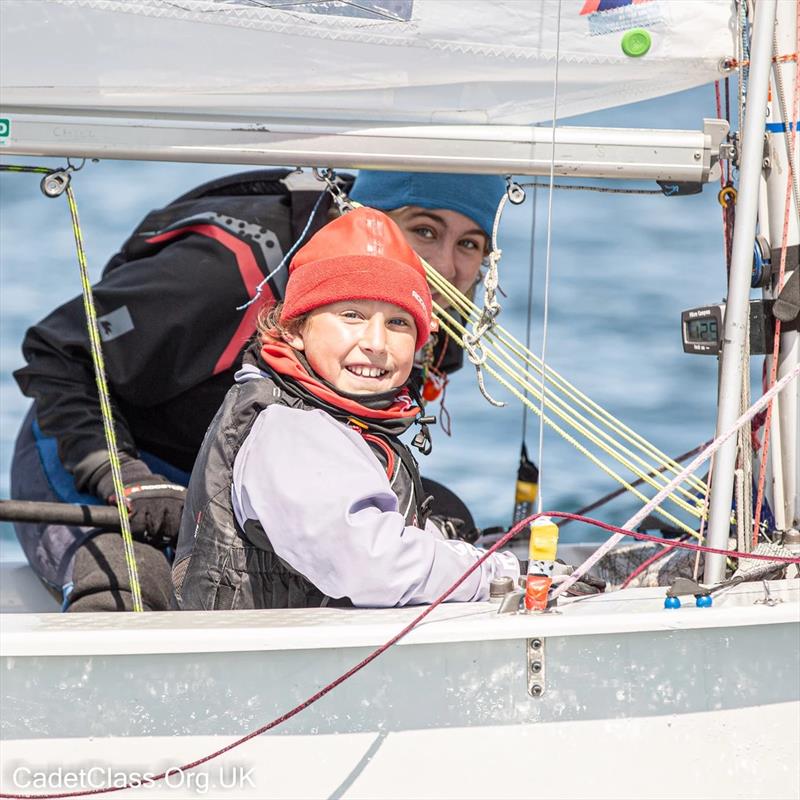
(350, 30)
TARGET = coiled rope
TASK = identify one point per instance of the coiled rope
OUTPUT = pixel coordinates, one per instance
(485, 320)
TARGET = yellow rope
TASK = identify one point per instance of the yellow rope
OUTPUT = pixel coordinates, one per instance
(102, 385)
(501, 336)
(520, 374)
(105, 405)
(579, 423)
(577, 420)
(569, 438)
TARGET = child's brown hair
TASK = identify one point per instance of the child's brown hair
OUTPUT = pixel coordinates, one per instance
(269, 327)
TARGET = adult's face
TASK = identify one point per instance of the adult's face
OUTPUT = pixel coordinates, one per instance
(450, 242)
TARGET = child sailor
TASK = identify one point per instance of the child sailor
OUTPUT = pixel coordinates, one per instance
(302, 493)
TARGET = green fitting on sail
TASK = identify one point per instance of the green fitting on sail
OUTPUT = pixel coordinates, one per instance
(636, 42)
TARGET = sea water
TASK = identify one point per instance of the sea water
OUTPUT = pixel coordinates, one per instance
(622, 268)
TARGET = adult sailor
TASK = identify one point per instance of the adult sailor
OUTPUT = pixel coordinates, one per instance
(169, 312)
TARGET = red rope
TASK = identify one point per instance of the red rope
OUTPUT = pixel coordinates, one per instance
(396, 638)
(727, 192)
(645, 537)
(725, 229)
(732, 63)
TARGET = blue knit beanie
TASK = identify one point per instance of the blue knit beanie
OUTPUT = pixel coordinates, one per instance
(474, 196)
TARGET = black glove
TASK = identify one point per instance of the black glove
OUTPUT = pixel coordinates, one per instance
(155, 504)
(586, 584)
(454, 528)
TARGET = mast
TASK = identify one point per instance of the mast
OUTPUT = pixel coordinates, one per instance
(738, 300)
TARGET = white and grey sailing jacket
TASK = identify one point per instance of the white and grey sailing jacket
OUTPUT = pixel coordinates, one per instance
(290, 507)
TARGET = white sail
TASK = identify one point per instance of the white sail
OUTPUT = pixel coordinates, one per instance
(390, 61)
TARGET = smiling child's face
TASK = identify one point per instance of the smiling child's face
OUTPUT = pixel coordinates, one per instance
(359, 346)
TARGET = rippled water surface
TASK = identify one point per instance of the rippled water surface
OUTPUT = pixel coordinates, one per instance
(623, 268)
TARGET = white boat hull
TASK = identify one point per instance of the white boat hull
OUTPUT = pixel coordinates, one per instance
(636, 701)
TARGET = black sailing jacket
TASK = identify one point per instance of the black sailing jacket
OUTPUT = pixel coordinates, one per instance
(220, 565)
(167, 307)
(166, 303)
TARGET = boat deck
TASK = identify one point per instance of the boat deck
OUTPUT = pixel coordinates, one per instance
(39, 633)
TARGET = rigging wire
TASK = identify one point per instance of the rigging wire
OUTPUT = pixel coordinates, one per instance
(548, 253)
(574, 187)
(289, 253)
(529, 311)
(726, 188)
(743, 54)
(788, 120)
(704, 517)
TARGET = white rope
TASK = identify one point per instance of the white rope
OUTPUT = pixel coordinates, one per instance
(667, 490)
(548, 256)
(738, 483)
(491, 308)
(744, 504)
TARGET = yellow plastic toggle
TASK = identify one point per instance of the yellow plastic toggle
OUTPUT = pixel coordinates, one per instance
(544, 540)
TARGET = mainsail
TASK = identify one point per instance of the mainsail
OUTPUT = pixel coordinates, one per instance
(379, 61)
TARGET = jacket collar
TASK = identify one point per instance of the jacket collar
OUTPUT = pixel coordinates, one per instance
(393, 412)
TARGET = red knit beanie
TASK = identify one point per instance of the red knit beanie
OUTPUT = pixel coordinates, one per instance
(362, 255)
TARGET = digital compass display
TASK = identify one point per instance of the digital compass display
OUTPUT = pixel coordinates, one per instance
(703, 329)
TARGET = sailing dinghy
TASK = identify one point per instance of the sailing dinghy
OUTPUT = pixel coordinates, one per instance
(699, 701)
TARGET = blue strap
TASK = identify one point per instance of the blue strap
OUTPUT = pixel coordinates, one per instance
(780, 127)
(63, 484)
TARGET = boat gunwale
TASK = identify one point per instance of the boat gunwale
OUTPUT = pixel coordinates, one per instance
(180, 632)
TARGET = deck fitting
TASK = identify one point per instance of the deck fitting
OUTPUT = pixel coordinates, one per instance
(536, 666)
